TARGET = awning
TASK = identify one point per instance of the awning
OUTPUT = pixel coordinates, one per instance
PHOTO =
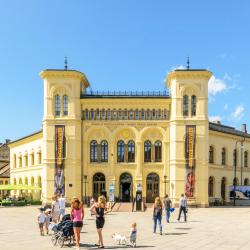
(19, 187)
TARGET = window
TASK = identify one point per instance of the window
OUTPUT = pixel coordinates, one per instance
(120, 114)
(246, 182)
(158, 151)
(131, 151)
(32, 159)
(39, 156)
(211, 187)
(98, 114)
(148, 114)
(120, 151)
(245, 159)
(153, 114)
(104, 151)
(108, 114)
(131, 115)
(223, 156)
(57, 105)
(87, 114)
(235, 157)
(185, 105)
(20, 162)
(147, 151)
(137, 115)
(93, 151)
(14, 161)
(103, 114)
(193, 105)
(65, 105)
(211, 154)
(92, 114)
(142, 115)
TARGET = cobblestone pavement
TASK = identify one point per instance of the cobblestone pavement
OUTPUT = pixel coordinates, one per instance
(207, 228)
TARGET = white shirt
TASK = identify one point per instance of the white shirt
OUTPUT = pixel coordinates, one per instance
(183, 202)
(55, 205)
(62, 203)
(41, 218)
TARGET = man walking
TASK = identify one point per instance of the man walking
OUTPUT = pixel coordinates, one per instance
(167, 205)
(182, 207)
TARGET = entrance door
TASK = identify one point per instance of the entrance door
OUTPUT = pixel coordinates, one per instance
(125, 187)
(98, 185)
(223, 188)
(152, 187)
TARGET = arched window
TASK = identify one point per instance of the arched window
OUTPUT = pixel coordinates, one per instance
(245, 159)
(143, 115)
(246, 182)
(65, 105)
(235, 181)
(158, 151)
(211, 154)
(104, 151)
(185, 105)
(193, 105)
(120, 151)
(235, 157)
(57, 105)
(211, 187)
(131, 151)
(93, 151)
(131, 115)
(147, 151)
(223, 156)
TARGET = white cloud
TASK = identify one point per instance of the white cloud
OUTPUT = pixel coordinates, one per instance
(215, 118)
(216, 85)
(238, 113)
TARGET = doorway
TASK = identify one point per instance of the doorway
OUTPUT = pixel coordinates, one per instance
(152, 184)
(126, 187)
(98, 185)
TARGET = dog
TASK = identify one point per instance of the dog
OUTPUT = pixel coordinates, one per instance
(119, 239)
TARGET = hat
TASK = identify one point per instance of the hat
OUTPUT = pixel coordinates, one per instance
(47, 210)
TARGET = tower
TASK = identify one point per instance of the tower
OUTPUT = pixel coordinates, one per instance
(189, 135)
(62, 146)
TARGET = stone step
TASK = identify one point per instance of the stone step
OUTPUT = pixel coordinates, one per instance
(123, 207)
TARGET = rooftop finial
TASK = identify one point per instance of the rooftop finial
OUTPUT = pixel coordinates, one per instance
(188, 63)
(65, 63)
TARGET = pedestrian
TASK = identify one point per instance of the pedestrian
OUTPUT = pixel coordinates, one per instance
(41, 220)
(99, 209)
(182, 207)
(62, 205)
(55, 209)
(157, 214)
(77, 215)
(167, 205)
(47, 219)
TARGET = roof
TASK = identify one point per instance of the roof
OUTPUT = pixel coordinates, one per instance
(5, 170)
(227, 129)
(27, 136)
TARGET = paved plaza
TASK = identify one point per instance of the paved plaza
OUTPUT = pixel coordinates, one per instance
(210, 228)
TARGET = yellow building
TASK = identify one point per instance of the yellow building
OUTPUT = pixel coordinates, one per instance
(117, 143)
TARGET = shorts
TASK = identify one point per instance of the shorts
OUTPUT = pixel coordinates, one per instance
(41, 225)
(100, 222)
(77, 223)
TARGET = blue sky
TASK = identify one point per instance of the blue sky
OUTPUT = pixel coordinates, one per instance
(122, 45)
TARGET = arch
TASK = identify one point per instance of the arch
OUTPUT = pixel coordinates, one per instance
(193, 105)
(235, 181)
(32, 181)
(246, 182)
(223, 156)
(223, 188)
(211, 154)
(131, 151)
(120, 151)
(126, 187)
(147, 151)
(211, 186)
(246, 159)
(99, 185)
(152, 187)
(185, 105)
(65, 105)
(93, 151)
(158, 151)
(235, 157)
(57, 105)
(104, 151)
(20, 181)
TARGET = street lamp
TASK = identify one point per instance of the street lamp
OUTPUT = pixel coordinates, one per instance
(165, 181)
(85, 194)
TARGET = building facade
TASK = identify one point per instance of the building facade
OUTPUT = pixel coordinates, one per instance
(119, 142)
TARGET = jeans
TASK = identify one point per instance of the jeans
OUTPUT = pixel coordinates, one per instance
(184, 210)
(62, 212)
(157, 218)
(167, 211)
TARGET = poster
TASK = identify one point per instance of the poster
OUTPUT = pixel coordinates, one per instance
(190, 160)
(112, 192)
(59, 179)
(241, 192)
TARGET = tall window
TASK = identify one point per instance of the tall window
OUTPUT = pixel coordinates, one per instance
(245, 159)
(104, 151)
(131, 151)
(158, 151)
(185, 105)
(93, 151)
(211, 154)
(57, 105)
(223, 156)
(32, 159)
(65, 105)
(143, 115)
(131, 115)
(193, 103)
(211, 187)
(120, 151)
(235, 157)
(147, 151)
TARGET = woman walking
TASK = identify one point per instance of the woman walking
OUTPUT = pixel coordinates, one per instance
(55, 211)
(157, 214)
(99, 209)
(77, 215)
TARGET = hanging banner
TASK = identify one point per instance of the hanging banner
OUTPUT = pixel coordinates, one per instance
(59, 180)
(190, 160)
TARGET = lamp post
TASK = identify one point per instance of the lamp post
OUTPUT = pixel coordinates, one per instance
(85, 193)
(165, 181)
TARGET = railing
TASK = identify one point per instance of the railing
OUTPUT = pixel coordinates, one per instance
(126, 93)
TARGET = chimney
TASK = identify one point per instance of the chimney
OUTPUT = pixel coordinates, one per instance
(7, 141)
(244, 128)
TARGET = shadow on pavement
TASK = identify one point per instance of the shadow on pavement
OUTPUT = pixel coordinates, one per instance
(175, 233)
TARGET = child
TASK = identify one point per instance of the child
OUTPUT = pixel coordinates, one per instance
(47, 219)
(41, 220)
(133, 235)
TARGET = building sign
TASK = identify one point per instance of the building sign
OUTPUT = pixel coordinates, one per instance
(59, 180)
(190, 160)
(112, 192)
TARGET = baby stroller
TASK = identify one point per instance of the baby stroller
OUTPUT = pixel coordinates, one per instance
(63, 232)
